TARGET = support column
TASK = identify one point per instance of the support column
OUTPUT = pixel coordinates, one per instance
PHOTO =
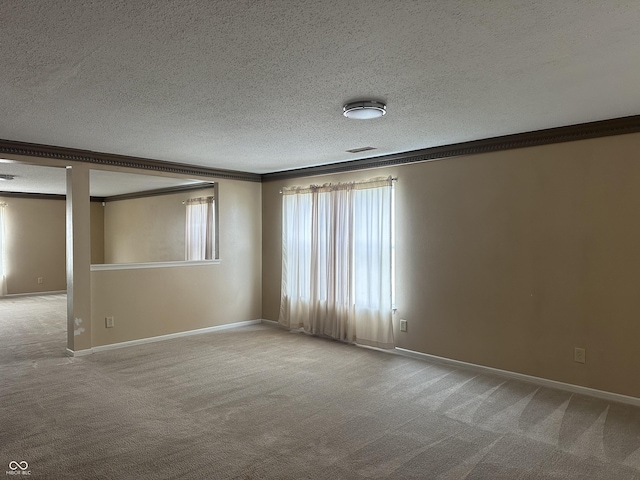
(78, 259)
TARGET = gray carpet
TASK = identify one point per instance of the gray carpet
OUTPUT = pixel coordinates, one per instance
(260, 402)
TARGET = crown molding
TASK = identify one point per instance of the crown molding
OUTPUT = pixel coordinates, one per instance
(583, 131)
(160, 191)
(42, 196)
(114, 198)
(108, 159)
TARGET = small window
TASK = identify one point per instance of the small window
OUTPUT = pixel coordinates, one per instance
(201, 230)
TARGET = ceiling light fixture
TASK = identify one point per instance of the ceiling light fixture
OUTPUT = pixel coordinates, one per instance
(364, 109)
(6, 177)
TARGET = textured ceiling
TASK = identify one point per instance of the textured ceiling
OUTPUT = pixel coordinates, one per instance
(258, 86)
(38, 179)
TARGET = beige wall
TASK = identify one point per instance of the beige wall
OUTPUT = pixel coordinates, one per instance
(35, 230)
(97, 232)
(36, 243)
(150, 229)
(511, 259)
(159, 301)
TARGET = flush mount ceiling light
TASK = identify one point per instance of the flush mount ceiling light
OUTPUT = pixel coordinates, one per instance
(6, 177)
(364, 109)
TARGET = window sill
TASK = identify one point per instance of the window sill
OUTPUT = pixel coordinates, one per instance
(133, 266)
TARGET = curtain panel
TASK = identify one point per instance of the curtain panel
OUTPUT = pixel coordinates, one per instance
(336, 261)
(200, 228)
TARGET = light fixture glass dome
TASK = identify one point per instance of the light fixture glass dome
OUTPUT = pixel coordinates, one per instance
(364, 110)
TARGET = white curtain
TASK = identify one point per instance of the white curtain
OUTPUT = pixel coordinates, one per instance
(3, 272)
(200, 240)
(336, 261)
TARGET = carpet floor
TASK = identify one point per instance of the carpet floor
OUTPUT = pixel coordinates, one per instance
(262, 403)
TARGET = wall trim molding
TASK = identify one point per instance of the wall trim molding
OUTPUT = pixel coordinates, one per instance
(78, 353)
(114, 198)
(34, 294)
(160, 191)
(544, 382)
(102, 267)
(569, 133)
(275, 324)
(42, 196)
(160, 338)
(583, 131)
(112, 160)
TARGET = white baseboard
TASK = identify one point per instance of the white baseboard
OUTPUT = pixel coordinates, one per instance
(160, 338)
(592, 392)
(569, 387)
(35, 294)
(78, 353)
(272, 323)
(544, 382)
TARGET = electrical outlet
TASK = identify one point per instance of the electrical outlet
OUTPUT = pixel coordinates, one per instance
(403, 325)
(579, 355)
(109, 323)
(40, 280)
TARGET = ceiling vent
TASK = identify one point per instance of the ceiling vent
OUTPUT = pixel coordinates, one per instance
(361, 149)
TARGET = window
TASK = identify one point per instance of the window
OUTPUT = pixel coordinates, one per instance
(337, 261)
(200, 230)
